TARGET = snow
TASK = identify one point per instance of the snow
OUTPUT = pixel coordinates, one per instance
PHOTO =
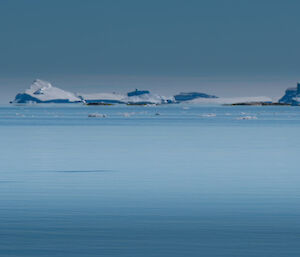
(43, 91)
(232, 100)
(103, 96)
(121, 98)
(148, 98)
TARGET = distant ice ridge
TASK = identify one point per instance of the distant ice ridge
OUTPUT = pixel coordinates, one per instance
(134, 97)
(231, 100)
(43, 92)
(103, 98)
(144, 97)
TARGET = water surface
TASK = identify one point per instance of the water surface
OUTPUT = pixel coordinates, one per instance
(170, 180)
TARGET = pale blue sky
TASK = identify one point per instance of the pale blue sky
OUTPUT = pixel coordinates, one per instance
(232, 47)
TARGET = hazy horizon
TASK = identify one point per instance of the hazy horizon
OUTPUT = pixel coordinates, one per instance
(222, 87)
(232, 48)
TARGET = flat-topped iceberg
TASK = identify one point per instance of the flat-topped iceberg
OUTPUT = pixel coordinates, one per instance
(109, 98)
(231, 100)
(137, 92)
(138, 97)
(188, 96)
(43, 92)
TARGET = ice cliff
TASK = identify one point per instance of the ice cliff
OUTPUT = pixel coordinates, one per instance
(291, 96)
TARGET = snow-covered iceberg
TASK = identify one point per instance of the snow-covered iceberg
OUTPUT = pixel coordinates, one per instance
(291, 96)
(109, 98)
(43, 92)
(145, 97)
(188, 96)
(135, 97)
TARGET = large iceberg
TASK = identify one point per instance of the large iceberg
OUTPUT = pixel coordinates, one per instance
(43, 92)
(291, 96)
(182, 97)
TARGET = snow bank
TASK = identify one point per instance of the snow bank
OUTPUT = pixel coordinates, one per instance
(103, 98)
(232, 100)
(143, 98)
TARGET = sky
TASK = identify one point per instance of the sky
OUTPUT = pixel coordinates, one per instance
(227, 48)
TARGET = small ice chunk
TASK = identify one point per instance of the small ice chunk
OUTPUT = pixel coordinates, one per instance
(247, 118)
(97, 115)
(209, 115)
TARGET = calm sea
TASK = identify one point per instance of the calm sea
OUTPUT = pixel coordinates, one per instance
(174, 180)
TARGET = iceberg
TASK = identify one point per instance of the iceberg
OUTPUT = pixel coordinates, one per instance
(188, 96)
(108, 98)
(145, 97)
(97, 115)
(43, 92)
(137, 92)
(136, 97)
(291, 96)
(232, 100)
(247, 118)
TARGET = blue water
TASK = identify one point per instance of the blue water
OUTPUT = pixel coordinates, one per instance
(192, 181)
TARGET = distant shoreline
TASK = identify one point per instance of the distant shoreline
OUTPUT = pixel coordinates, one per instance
(259, 104)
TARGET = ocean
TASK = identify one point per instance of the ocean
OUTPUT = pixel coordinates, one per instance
(151, 181)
